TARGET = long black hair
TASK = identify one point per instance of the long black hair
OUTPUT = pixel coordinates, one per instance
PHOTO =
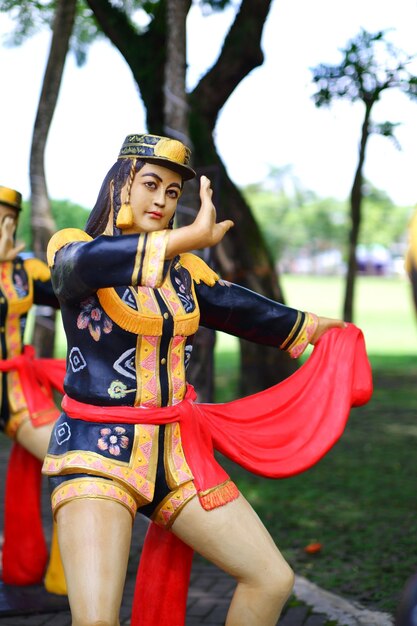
(99, 216)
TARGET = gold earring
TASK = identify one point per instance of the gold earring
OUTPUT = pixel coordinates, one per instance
(125, 216)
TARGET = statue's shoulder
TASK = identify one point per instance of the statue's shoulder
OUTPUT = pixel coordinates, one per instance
(61, 239)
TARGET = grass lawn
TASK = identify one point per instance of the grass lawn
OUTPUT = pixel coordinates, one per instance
(360, 501)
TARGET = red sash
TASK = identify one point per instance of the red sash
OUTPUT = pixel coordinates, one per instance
(279, 432)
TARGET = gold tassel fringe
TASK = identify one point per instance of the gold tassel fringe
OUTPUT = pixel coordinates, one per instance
(218, 496)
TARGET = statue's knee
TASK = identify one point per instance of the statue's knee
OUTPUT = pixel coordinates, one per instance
(278, 582)
(286, 581)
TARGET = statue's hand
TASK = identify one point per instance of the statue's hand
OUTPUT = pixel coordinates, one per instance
(8, 248)
(204, 232)
(209, 230)
(325, 323)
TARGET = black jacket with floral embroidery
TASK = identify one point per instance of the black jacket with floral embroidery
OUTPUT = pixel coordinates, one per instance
(130, 316)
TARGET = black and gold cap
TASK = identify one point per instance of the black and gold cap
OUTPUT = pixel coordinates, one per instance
(11, 197)
(169, 153)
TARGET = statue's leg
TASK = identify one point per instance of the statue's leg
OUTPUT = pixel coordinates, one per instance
(35, 440)
(94, 537)
(234, 538)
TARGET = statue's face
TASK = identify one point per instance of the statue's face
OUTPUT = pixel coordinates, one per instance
(153, 197)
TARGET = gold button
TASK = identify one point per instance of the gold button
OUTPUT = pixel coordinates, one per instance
(166, 316)
(163, 361)
(2, 300)
(1, 329)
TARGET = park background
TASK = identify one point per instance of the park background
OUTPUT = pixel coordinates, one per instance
(358, 503)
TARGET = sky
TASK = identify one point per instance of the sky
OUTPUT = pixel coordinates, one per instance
(270, 120)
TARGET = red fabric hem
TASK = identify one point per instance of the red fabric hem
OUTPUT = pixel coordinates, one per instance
(219, 496)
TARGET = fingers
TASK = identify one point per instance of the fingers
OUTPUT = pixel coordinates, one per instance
(8, 228)
(205, 183)
(20, 246)
(207, 216)
(9, 223)
(8, 219)
(220, 230)
(325, 324)
(331, 323)
(206, 192)
(13, 252)
(226, 225)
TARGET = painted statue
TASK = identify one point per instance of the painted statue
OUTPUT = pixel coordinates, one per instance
(28, 411)
(131, 437)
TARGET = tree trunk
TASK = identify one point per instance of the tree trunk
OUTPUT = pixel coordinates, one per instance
(43, 225)
(242, 256)
(176, 125)
(355, 214)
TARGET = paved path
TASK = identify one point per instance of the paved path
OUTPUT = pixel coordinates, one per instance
(208, 600)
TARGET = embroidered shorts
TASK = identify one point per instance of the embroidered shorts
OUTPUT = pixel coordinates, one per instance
(142, 466)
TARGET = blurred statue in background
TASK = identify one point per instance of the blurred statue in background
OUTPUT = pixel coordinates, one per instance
(27, 409)
(406, 614)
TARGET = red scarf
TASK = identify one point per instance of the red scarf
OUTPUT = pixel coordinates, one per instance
(279, 432)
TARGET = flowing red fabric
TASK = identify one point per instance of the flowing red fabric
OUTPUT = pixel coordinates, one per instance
(278, 432)
(287, 428)
(25, 553)
(37, 377)
(165, 602)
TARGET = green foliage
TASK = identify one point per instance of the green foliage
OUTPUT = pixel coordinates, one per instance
(370, 65)
(85, 32)
(31, 16)
(214, 5)
(383, 222)
(385, 129)
(290, 226)
(65, 213)
(295, 221)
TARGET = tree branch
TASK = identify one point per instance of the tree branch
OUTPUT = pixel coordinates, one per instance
(144, 53)
(115, 25)
(235, 60)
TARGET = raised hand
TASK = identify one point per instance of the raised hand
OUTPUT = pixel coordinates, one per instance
(208, 230)
(204, 232)
(8, 249)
